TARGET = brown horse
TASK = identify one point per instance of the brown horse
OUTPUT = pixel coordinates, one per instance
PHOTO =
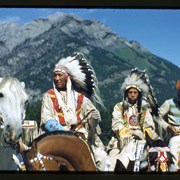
(59, 151)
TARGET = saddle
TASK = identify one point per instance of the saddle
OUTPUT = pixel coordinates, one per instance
(80, 135)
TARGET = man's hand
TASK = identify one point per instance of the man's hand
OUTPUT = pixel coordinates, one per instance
(125, 132)
(138, 134)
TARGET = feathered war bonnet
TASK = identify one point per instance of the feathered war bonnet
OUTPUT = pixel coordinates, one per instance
(82, 76)
(139, 80)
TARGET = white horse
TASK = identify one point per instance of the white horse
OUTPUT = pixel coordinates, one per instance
(12, 108)
(12, 112)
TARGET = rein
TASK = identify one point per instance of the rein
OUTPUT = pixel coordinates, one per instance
(78, 125)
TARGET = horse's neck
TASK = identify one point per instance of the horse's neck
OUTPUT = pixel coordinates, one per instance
(62, 149)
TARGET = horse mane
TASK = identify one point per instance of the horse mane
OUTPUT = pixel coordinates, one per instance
(159, 143)
(59, 132)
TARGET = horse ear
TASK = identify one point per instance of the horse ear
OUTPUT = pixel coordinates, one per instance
(148, 139)
(23, 84)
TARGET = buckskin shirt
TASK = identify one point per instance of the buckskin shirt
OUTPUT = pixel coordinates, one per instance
(130, 120)
(49, 112)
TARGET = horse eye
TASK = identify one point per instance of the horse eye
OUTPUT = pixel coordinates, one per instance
(26, 102)
(1, 95)
(1, 120)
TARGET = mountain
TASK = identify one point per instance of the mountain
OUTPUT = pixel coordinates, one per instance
(30, 51)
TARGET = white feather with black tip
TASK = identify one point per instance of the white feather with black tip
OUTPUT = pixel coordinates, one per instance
(82, 75)
(140, 80)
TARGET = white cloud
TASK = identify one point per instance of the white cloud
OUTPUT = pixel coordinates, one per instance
(16, 19)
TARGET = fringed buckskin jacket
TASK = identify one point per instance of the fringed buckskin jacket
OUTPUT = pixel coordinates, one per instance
(50, 110)
(124, 124)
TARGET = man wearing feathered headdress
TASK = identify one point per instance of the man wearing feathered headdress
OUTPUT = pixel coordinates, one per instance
(68, 106)
(170, 121)
(132, 117)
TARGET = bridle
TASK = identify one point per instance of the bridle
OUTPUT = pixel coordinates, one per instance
(20, 162)
(40, 158)
(161, 160)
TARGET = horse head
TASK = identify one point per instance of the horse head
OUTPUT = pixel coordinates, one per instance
(160, 159)
(12, 108)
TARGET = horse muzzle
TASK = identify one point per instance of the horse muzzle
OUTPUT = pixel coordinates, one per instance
(11, 136)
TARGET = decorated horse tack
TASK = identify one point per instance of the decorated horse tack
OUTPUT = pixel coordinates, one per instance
(160, 158)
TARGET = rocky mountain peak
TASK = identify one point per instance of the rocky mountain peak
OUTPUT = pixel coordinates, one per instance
(30, 51)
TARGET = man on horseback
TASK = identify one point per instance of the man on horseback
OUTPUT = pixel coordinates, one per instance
(131, 118)
(170, 121)
(68, 105)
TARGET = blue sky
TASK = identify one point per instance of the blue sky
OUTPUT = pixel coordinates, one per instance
(158, 30)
